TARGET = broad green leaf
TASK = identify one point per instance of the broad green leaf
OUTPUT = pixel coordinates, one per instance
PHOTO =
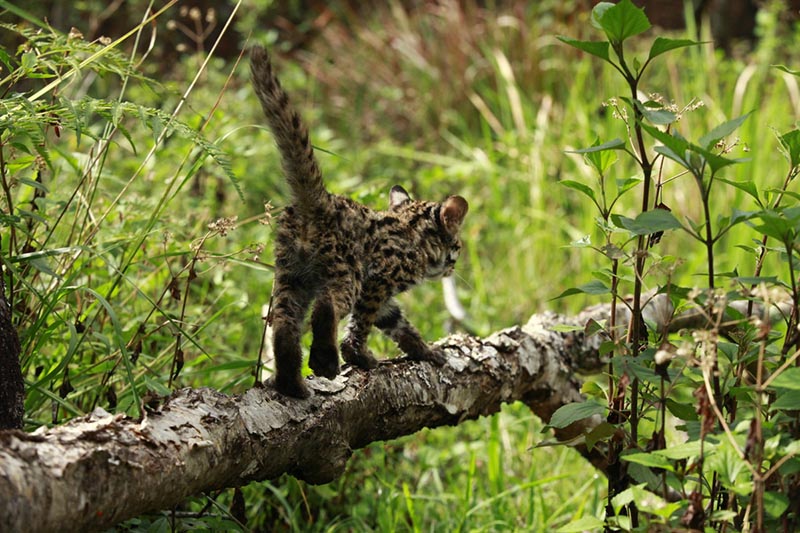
(715, 162)
(788, 379)
(754, 280)
(612, 251)
(790, 146)
(580, 187)
(730, 467)
(596, 48)
(787, 70)
(621, 21)
(683, 451)
(676, 145)
(648, 222)
(649, 459)
(624, 185)
(738, 215)
(601, 156)
(35, 184)
(586, 523)
(572, 412)
(648, 502)
(662, 45)
(775, 224)
(598, 11)
(653, 113)
(602, 432)
(594, 326)
(684, 411)
(596, 147)
(747, 186)
(659, 117)
(775, 503)
(594, 287)
(601, 161)
(788, 400)
(711, 138)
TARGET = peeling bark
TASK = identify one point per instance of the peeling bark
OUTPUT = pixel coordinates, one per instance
(98, 470)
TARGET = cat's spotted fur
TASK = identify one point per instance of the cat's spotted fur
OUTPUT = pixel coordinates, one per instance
(343, 257)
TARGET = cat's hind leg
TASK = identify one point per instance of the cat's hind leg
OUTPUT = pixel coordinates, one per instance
(288, 311)
(324, 356)
(334, 302)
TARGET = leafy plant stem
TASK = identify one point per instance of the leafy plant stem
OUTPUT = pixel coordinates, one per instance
(762, 254)
(10, 205)
(709, 241)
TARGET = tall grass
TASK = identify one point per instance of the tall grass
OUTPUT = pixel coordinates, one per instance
(123, 291)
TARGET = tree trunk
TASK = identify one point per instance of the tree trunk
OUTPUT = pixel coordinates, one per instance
(98, 470)
(12, 393)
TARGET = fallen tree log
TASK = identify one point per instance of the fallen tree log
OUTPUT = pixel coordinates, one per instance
(98, 470)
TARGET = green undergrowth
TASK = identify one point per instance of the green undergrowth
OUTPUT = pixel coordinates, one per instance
(137, 204)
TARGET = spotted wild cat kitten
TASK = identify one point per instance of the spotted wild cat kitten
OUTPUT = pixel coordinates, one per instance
(343, 257)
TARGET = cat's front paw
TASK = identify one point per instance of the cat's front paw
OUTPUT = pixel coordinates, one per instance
(290, 387)
(360, 357)
(324, 360)
(433, 354)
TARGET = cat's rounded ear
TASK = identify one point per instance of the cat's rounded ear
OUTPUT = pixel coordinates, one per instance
(397, 196)
(452, 213)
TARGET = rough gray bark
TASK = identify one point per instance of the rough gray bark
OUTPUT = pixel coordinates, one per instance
(98, 470)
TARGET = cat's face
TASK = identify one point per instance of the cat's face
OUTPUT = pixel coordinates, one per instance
(439, 224)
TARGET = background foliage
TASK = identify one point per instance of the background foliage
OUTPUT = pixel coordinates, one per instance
(136, 243)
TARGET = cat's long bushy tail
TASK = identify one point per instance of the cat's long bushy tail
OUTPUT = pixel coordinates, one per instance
(291, 135)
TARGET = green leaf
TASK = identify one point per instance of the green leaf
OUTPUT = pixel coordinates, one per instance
(787, 70)
(747, 186)
(684, 411)
(659, 117)
(600, 156)
(648, 222)
(649, 459)
(711, 138)
(602, 432)
(676, 146)
(596, 48)
(620, 21)
(788, 400)
(715, 162)
(594, 287)
(585, 523)
(596, 147)
(662, 45)
(790, 146)
(776, 224)
(572, 412)
(755, 280)
(624, 185)
(788, 379)
(683, 451)
(598, 12)
(653, 113)
(580, 187)
(775, 503)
